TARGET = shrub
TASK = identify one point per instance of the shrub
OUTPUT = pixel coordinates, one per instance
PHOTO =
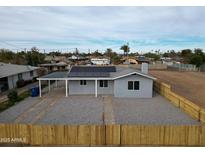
(12, 96)
(28, 82)
(20, 83)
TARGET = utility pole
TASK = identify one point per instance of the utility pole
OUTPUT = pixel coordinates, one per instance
(127, 49)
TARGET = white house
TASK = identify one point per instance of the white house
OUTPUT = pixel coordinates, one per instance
(100, 61)
(11, 73)
(104, 80)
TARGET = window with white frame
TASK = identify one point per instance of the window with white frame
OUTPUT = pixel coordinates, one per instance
(83, 82)
(133, 85)
(103, 83)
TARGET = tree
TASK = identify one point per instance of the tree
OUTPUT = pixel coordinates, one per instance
(155, 56)
(6, 55)
(34, 58)
(200, 53)
(108, 52)
(116, 60)
(126, 49)
(96, 54)
(186, 54)
(196, 60)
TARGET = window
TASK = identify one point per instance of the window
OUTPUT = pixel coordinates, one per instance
(130, 85)
(31, 73)
(20, 76)
(82, 82)
(103, 83)
(133, 85)
(136, 85)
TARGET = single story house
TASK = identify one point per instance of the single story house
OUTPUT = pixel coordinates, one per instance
(104, 80)
(100, 61)
(11, 73)
(51, 67)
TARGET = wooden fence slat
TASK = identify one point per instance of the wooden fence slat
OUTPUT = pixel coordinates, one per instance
(202, 115)
(175, 135)
(193, 135)
(97, 135)
(36, 135)
(71, 134)
(112, 134)
(60, 138)
(130, 135)
(84, 135)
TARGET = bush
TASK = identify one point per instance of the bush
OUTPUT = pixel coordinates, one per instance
(28, 82)
(12, 96)
(20, 83)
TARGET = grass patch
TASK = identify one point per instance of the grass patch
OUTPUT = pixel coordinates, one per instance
(5, 105)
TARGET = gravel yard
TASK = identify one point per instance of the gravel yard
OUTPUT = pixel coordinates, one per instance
(75, 110)
(55, 108)
(156, 110)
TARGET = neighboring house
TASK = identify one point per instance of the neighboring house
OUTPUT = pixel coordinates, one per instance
(105, 80)
(51, 67)
(100, 61)
(142, 59)
(11, 73)
(55, 59)
(128, 61)
(167, 60)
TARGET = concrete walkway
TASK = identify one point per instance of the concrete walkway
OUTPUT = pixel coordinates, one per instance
(108, 116)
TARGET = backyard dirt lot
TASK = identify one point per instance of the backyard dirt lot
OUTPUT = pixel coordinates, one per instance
(190, 85)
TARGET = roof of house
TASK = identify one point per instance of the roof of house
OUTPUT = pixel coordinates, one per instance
(90, 72)
(54, 64)
(12, 69)
(103, 71)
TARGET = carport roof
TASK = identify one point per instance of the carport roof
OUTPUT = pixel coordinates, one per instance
(56, 75)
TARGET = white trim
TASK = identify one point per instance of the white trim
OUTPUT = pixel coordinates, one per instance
(144, 75)
(96, 88)
(39, 82)
(56, 83)
(51, 78)
(66, 88)
(49, 85)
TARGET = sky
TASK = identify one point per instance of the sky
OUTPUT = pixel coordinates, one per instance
(67, 28)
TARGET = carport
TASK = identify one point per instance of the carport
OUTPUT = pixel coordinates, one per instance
(55, 76)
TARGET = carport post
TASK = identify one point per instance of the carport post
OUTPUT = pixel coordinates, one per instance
(96, 88)
(39, 82)
(56, 83)
(49, 85)
(66, 88)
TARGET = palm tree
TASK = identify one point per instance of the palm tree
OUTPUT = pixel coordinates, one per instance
(125, 48)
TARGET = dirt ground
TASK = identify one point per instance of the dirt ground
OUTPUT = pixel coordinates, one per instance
(190, 85)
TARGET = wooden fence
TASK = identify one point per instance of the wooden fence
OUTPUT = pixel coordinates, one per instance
(186, 105)
(102, 135)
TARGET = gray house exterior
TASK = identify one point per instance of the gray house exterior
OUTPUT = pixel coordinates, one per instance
(11, 73)
(106, 80)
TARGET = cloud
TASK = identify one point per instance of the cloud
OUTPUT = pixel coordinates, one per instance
(145, 28)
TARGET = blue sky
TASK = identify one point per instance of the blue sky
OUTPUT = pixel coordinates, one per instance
(145, 28)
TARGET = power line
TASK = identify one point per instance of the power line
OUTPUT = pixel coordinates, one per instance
(12, 45)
